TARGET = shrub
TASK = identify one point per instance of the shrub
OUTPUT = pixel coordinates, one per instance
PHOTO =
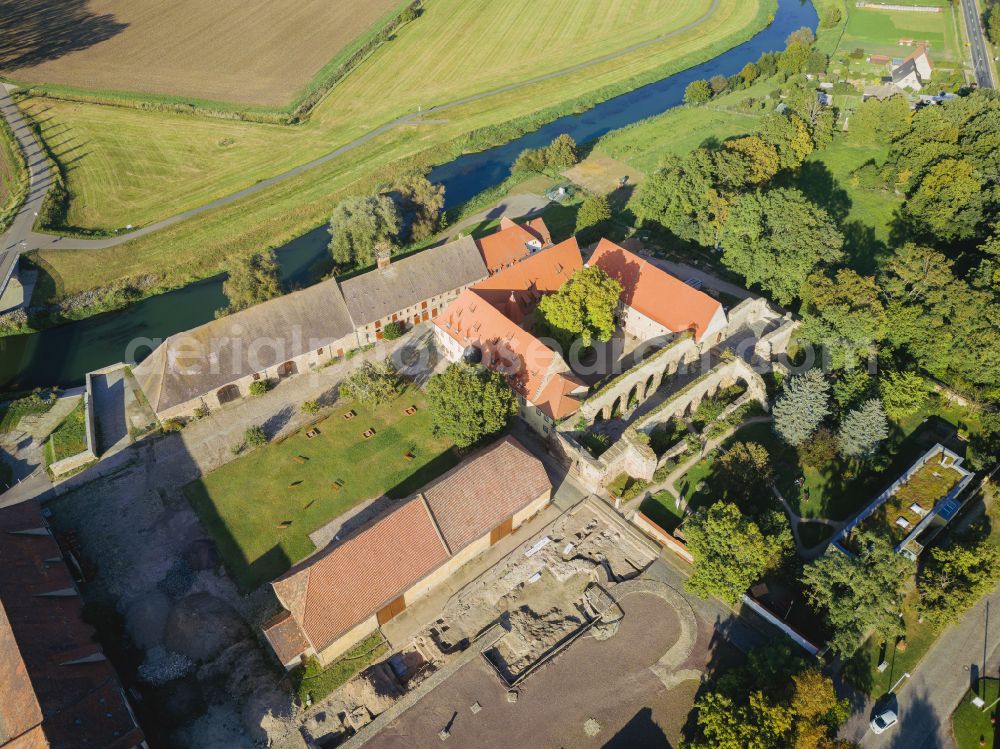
(820, 449)
(171, 425)
(254, 437)
(258, 388)
(596, 443)
(392, 331)
(310, 407)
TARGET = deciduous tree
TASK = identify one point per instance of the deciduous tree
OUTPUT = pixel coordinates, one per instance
(860, 593)
(955, 577)
(358, 224)
(470, 402)
(845, 314)
(593, 216)
(252, 280)
(743, 475)
(730, 552)
(373, 383)
(422, 201)
(697, 92)
(584, 307)
(902, 393)
(777, 238)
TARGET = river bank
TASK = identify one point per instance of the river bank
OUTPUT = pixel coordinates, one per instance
(62, 355)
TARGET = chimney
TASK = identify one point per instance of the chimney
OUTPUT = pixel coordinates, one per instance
(383, 255)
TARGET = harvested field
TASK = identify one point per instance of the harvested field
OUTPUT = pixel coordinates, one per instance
(259, 52)
(134, 167)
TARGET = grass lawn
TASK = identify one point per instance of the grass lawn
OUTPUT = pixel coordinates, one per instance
(11, 412)
(13, 175)
(134, 166)
(880, 31)
(813, 534)
(862, 669)
(317, 684)
(970, 723)
(247, 503)
(70, 437)
(661, 508)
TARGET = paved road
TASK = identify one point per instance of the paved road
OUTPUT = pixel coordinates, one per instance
(44, 241)
(41, 180)
(937, 685)
(977, 41)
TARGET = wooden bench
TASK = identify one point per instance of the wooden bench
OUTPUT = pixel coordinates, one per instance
(410, 411)
(368, 433)
(312, 433)
(300, 459)
(350, 415)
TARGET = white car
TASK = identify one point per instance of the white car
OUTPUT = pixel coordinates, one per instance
(884, 720)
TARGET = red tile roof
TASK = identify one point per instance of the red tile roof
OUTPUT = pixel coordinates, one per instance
(344, 584)
(513, 242)
(532, 369)
(56, 686)
(655, 293)
(486, 489)
(347, 582)
(542, 273)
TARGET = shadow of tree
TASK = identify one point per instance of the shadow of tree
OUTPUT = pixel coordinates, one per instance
(641, 730)
(36, 31)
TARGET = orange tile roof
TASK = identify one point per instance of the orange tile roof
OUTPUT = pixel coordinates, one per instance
(655, 293)
(341, 586)
(532, 369)
(513, 242)
(348, 582)
(475, 497)
(542, 273)
(56, 685)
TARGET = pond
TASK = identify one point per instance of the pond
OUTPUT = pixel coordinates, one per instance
(63, 355)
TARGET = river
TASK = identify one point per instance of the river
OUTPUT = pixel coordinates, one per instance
(64, 354)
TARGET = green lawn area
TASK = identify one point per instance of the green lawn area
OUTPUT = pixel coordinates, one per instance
(813, 534)
(880, 31)
(70, 437)
(316, 683)
(261, 508)
(661, 508)
(970, 723)
(862, 669)
(11, 412)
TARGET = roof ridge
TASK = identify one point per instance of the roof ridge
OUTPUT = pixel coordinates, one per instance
(434, 523)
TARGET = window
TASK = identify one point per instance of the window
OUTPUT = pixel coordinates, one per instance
(423, 305)
(256, 375)
(320, 352)
(378, 323)
(395, 317)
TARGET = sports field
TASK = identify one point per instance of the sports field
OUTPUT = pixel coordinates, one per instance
(248, 51)
(132, 166)
(881, 31)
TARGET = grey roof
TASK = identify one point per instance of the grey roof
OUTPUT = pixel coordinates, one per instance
(908, 67)
(190, 364)
(379, 293)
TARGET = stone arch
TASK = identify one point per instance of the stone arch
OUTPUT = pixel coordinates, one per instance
(650, 382)
(616, 408)
(287, 369)
(599, 416)
(227, 394)
(633, 397)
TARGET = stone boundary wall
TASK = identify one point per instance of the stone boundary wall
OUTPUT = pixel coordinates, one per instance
(789, 632)
(89, 455)
(661, 537)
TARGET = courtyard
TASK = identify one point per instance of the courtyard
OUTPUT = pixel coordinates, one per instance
(261, 508)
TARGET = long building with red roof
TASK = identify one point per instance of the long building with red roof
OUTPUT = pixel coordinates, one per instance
(344, 592)
(57, 687)
(655, 303)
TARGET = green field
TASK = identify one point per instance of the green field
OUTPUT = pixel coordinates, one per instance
(70, 437)
(880, 31)
(970, 723)
(246, 504)
(13, 176)
(132, 167)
